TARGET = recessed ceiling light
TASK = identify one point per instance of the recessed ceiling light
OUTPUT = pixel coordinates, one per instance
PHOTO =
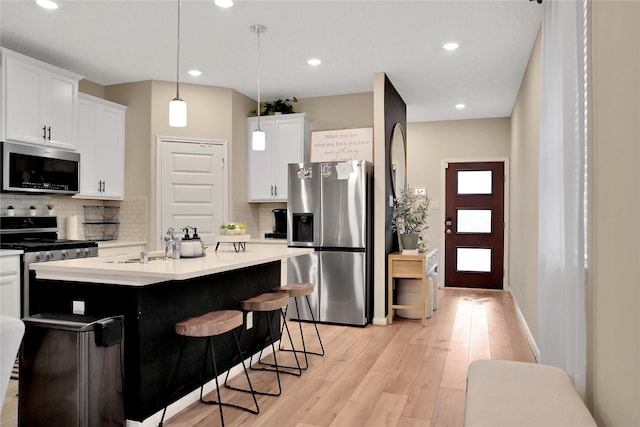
(460, 106)
(47, 4)
(195, 73)
(450, 46)
(223, 3)
(314, 62)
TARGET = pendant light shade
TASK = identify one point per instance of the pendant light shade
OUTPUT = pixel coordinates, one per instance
(177, 113)
(177, 107)
(258, 139)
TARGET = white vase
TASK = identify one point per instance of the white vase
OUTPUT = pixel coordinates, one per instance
(51, 212)
(11, 212)
(33, 212)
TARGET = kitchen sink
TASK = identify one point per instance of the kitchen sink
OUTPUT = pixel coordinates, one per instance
(135, 260)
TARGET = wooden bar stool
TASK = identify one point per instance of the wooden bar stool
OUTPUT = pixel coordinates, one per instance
(208, 326)
(296, 290)
(269, 304)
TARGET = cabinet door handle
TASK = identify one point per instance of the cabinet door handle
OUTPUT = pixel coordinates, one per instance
(272, 190)
(44, 132)
(49, 130)
(275, 190)
(99, 186)
(104, 185)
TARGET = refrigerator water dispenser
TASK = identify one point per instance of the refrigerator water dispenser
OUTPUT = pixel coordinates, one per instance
(302, 227)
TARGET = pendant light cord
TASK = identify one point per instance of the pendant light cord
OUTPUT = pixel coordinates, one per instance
(178, 54)
(259, 30)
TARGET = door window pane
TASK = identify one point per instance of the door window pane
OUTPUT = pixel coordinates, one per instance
(474, 182)
(473, 260)
(474, 221)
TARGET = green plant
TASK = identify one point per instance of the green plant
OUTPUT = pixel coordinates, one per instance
(49, 206)
(242, 226)
(231, 227)
(223, 226)
(410, 213)
(32, 207)
(278, 106)
(9, 207)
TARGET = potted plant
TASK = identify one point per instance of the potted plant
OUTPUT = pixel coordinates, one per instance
(32, 210)
(223, 229)
(409, 217)
(10, 211)
(50, 209)
(278, 106)
(231, 229)
(242, 228)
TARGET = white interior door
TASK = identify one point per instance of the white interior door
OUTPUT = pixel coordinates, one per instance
(193, 186)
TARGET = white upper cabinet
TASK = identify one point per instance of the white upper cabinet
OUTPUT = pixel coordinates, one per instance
(39, 102)
(287, 141)
(101, 145)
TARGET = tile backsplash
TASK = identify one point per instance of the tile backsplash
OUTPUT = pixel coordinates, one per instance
(133, 212)
(257, 216)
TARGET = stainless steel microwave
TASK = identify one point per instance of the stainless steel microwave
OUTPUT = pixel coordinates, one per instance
(35, 169)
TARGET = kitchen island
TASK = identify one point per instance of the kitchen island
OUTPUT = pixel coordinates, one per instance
(153, 297)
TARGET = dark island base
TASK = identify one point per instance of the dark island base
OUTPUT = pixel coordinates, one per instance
(151, 346)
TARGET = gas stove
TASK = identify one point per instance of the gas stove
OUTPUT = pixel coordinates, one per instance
(37, 237)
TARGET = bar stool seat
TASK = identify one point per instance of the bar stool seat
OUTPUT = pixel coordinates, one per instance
(296, 290)
(265, 302)
(208, 326)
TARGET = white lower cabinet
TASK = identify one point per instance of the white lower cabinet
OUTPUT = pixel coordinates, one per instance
(10, 285)
(101, 145)
(287, 141)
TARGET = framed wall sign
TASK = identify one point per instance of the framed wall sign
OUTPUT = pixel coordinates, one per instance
(342, 144)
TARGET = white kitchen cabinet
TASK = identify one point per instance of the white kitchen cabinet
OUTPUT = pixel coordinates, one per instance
(287, 141)
(39, 102)
(10, 283)
(101, 145)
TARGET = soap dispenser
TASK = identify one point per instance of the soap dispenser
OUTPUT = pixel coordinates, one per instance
(198, 246)
(187, 244)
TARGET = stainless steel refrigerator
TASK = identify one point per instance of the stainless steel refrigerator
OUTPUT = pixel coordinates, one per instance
(330, 210)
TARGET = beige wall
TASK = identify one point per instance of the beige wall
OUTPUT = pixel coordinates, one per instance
(338, 112)
(523, 229)
(614, 348)
(91, 88)
(430, 143)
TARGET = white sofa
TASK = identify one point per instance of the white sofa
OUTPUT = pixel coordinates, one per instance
(11, 332)
(504, 393)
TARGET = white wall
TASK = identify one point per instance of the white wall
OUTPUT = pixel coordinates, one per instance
(523, 245)
(614, 338)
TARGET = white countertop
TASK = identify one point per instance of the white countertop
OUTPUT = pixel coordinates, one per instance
(10, 252)
(105, 270)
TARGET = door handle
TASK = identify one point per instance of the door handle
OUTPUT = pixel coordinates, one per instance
(275, 190)
(49, 130)
(448, 231)
(44, 132)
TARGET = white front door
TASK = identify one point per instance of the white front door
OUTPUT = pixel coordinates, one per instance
(193, 185)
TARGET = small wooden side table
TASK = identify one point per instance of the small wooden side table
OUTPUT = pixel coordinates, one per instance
(408, 267)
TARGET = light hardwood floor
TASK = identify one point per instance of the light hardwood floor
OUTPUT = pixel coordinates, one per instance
(400, 375)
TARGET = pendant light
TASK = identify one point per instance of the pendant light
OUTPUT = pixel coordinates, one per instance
(177, 107)
(258, 139)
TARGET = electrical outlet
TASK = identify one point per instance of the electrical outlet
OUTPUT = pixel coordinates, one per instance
(249, 320)
(390, 201)
(78, 307)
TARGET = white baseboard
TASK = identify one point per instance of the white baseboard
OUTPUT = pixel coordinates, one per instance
(380, 321)
(181, 404)
(525, 328)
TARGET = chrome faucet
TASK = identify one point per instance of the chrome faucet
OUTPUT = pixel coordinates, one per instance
(171, 243)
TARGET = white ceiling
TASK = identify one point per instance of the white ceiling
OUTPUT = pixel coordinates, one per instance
(112, 42)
